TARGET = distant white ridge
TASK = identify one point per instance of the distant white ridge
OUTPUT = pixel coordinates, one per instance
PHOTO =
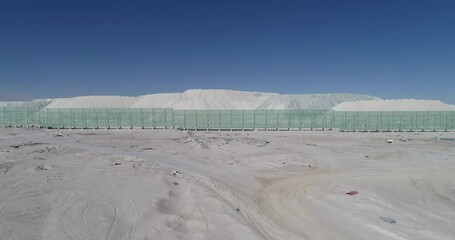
(212, 99)
(201, 99)
(93, 102)
(394, 105)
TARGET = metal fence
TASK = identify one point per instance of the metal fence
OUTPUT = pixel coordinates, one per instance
(227, 119)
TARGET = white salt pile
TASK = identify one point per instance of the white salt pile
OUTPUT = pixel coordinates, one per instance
(212, 99)
(230, 99)
(311, 101)
(394, 105)
(33, 103)
(94, 102)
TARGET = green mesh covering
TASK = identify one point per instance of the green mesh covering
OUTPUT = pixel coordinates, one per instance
(226, 119)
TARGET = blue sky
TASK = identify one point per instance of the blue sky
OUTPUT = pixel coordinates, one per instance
(390, 49)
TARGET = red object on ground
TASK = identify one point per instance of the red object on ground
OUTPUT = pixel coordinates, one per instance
(352, 193)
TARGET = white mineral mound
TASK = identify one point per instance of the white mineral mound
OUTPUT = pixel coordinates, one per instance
(394, 105)
(12, 104)
(94, 102)
(311, 101)
(212, 99)
(159, 100)
(205, 99)
(33, 103)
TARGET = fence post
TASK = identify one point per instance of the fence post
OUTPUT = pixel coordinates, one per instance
(230, 114)
(254, 119)
(184, 119)
(289, 119)
(173, 118)
(152, 114)
(428, 122)
(196, 127)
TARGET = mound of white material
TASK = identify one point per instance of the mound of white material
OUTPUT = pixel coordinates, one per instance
(160, 100)
(394, 105)
(12, 104)
(204, 99)
(212, 99)
(94, 102)
(311, 101)
(34, 103)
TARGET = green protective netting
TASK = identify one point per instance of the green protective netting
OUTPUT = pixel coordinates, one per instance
(226, 119)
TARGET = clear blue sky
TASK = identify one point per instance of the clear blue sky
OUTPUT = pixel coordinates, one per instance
(387, 48)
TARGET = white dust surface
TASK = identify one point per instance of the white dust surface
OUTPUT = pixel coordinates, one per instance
(394, 105)
(168, 184)
(212, 99)
(94, 102)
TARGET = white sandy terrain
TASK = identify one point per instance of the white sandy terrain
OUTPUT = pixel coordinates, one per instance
(93, 102)
(212, 99)
(394, 105)
(33, 103)
(311, 101)
(166, 184)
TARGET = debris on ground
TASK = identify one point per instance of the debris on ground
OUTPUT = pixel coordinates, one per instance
(129, 158)
(262, 143)
(176, 173)
(45, 150)
(352, 193)
(26, 144)
(309, 165)
(63, 134)
(43, 167)
(117, 164)
(388, 220)
(6, 166)
(237, 209)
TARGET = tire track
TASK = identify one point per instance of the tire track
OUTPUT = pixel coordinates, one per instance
(82, 217)
(133, 226)
(114, 221)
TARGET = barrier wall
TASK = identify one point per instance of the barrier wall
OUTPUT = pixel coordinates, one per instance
(227, 119)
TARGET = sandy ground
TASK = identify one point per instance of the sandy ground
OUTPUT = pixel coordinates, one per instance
(168, 184)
